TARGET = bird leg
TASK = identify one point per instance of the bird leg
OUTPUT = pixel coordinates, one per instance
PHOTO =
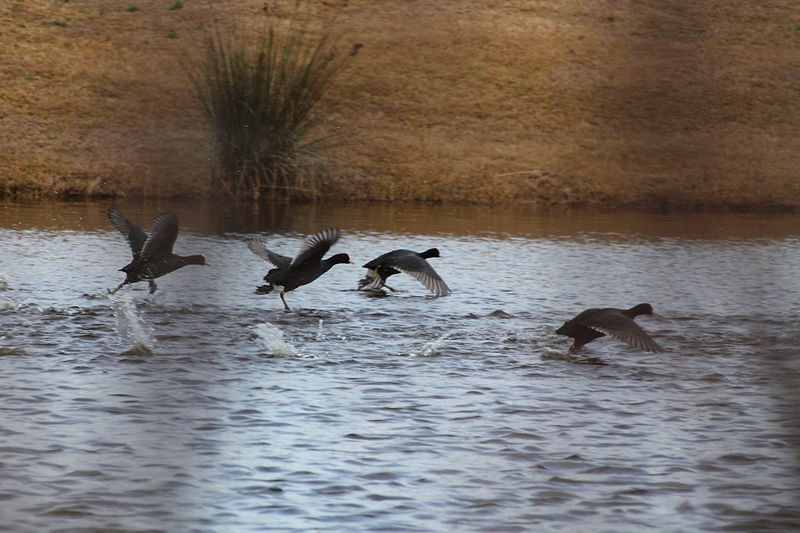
(376, 276)
(153, 286)
(569, 353)
(115, 290)
(284, 301)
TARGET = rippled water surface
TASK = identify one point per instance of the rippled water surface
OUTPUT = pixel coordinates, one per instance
(206, 407)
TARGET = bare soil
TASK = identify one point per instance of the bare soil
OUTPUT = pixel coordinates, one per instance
(610, 102)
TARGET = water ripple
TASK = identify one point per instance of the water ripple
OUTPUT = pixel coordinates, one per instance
(206, 407)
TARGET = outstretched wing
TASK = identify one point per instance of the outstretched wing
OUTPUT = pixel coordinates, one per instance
(162, 236)
(315, 247)
(135, 236)
(257, 247)
(622, 328)
(418, 268)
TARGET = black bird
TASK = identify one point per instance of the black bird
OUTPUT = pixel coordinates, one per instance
(152, 256)
(408, 261)
(594, 323)
(303, 269)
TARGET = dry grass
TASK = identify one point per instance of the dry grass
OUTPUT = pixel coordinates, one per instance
(580, 102)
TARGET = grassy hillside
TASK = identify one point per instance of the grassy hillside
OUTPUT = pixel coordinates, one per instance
(616, 102)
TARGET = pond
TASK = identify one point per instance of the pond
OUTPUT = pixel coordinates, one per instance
(207, 407)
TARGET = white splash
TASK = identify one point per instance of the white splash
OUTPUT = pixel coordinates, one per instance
(7, 304)
(552, 353)
(431, 348)
(320, 331)
(130, 324)
(272, 338)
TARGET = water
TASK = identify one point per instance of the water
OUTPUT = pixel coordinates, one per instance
(206, 407)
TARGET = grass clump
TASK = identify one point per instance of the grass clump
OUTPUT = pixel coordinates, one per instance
(262, 93)
(177, 5)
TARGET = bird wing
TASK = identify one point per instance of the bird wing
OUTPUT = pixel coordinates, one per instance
(134, 234)
(162, 236)
(624, 329)
(422, 271)
(315, 247)
(257, 247)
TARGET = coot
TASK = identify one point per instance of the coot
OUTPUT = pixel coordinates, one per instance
(594, 323)
(303, 269)
(408, 261)
(152, 256)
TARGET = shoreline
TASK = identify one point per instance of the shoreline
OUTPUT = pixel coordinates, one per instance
(654, 207)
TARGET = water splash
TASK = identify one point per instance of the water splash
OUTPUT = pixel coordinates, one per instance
(320, 331)
(7, 304)
(130, 324)
(431, 348)
(272, 338)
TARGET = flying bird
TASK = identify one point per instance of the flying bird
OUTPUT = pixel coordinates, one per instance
(412, 263)
(152, 255)
(594, 323)
(303, 269)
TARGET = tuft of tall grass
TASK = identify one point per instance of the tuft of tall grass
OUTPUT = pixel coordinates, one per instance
(262, 93)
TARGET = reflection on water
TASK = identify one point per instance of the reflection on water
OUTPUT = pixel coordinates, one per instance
(217, 219)
(207, 407)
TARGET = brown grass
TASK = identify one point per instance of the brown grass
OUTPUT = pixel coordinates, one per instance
(575, 102)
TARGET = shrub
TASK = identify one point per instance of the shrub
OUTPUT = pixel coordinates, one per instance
(262, 94)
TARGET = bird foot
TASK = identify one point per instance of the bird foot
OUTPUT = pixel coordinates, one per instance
(110, 292)
(264, 289)
(285, 305)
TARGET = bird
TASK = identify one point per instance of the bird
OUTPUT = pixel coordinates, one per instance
(303, 269)
(152, 255)
(412, 263)
(594, 323)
